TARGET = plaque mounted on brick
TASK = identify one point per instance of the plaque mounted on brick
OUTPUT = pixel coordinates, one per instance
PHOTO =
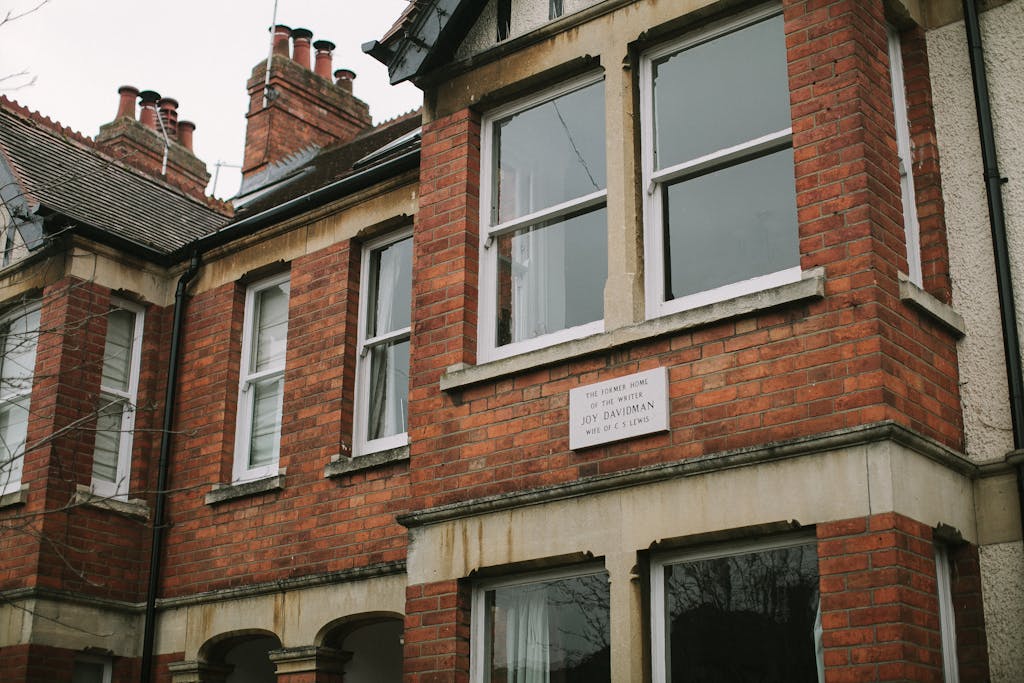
(616, 409)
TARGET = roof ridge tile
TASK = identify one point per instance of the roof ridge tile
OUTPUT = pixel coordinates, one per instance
(53, 125)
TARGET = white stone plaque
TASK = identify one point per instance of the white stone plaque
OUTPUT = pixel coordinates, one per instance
(618, 409)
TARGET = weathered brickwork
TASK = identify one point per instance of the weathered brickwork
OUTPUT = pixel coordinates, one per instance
(437, 633)
(857, 357)
(880, 611)
(53, 542)
(312, 525)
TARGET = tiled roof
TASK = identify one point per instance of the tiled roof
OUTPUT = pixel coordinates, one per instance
(336, 162)
(62, 172)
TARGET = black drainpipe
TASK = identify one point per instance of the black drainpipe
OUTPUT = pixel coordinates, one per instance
(161, 486)
(1000, 247)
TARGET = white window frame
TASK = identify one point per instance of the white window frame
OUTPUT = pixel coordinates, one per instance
(478, 606)
(243, 431)
(105, 662)
(119, 487)
(10, 481)
(947, 618)
(904, 151)
(654, 181)
(364, 345)
(487, 322)
(657, 593)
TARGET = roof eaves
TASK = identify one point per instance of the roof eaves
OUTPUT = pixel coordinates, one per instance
(431, 36)
(361, 179)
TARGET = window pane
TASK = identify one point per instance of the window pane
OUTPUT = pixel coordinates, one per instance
(743, 618)
(109, 428)
(271, 329)
(389, 389)
(720, 93)
(266, 421)
(390, 288)
(731, 225)
(18, 363)
(551, 277)
(549, 154)
(13, 429)
(548, 631)
(117, 354)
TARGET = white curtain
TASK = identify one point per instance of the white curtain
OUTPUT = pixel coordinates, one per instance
(527, 641)
(382, 384)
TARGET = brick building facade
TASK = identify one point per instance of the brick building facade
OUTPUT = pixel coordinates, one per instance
(637, 355)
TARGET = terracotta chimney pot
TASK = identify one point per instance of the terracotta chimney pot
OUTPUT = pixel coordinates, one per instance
(324, 48)
(343, 79)
(281, 35)
(168, 107)
(126, 106)
(300, 46)
(147, 113)
(185, 130)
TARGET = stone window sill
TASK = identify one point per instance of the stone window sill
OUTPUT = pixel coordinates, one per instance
(133, 507)
(341, 465)
(14, 497)
(243, 489)
(922, 301)
(811, 286)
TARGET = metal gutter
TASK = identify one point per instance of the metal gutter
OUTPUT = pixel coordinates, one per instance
(1000, 244)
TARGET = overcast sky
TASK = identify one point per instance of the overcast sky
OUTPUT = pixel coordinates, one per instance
(200, 52)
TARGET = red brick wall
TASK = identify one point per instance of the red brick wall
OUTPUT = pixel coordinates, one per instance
(313, 525)
(879, 601)
(50, 541)
(968, 610)
(857, 357)
(436, 636)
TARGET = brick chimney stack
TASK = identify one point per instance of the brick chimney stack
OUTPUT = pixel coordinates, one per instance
(140, 143)
(302, 107)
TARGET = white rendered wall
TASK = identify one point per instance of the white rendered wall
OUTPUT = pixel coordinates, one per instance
(527, 15)
(982, 370)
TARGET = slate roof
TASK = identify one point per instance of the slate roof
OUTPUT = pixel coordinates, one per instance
(338, 161)
(60, 171)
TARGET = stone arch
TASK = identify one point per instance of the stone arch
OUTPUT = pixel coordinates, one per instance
(373, 643)
(242, 655)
